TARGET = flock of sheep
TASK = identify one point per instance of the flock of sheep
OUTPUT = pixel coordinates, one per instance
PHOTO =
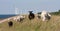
(44, 16)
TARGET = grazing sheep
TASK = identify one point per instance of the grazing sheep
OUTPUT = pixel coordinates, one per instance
(45, 15)
(38, 15)
(22, 18)
(19, 18)
(31, 15)
(15, 19)
(48, 16)
(10, 23)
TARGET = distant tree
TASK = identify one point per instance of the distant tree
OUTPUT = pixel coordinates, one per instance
(59, 10)
(55, 13)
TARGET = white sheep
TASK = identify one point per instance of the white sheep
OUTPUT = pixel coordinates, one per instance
(19, 18)
(45, 15)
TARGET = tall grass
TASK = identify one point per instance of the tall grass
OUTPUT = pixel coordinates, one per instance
(33, 25)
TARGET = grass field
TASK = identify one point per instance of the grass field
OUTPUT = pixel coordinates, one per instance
(33, 25)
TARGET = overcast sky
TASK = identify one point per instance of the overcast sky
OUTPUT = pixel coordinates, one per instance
(8, 6)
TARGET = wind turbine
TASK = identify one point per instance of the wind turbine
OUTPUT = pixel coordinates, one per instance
(16, 11)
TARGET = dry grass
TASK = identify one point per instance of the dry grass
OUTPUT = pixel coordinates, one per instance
(33, 25)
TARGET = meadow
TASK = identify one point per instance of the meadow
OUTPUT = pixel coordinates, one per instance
(33, 25)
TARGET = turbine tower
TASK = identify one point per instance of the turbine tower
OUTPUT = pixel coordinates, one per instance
(16, 11)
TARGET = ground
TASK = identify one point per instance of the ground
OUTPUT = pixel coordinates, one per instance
(33, 25)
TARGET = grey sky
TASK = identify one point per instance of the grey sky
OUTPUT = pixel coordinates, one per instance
(8, 6)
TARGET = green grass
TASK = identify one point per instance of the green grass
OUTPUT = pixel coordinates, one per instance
(33, 25)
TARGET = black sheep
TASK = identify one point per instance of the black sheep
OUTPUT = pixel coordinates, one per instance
(10, 23)
(31, 15)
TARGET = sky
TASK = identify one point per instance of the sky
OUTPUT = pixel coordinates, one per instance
(9, 6)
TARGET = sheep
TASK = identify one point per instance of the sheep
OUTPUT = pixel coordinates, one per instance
(19, 18)
(38, 15)
(10, 23)
(15, 19)
(31, 15)
(45, 15)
